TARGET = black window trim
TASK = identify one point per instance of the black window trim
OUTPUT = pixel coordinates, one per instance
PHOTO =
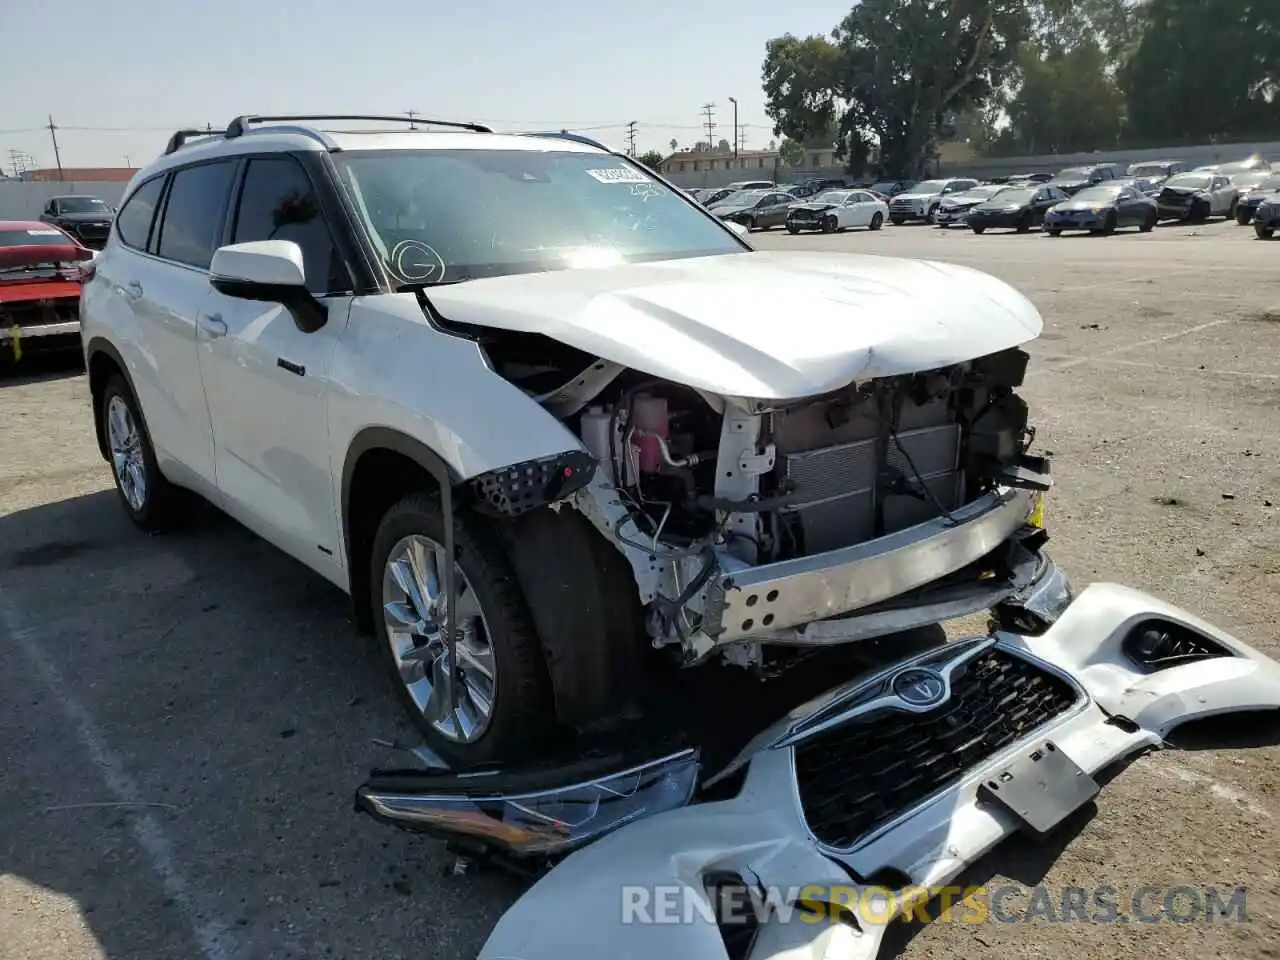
(153, 247)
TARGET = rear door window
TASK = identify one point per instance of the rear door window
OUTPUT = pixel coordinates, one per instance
(133, 222)
(193, 215)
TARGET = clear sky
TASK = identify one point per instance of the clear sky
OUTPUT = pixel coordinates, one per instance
(135, 70)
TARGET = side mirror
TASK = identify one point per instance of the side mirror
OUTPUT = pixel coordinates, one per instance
(737, 228)
(271, 271)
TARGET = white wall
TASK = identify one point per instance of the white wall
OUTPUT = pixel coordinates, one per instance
(23, 200)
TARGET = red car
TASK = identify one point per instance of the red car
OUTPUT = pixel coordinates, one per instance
(40, 275)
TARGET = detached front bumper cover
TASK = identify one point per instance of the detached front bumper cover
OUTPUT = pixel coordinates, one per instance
(1112, 677)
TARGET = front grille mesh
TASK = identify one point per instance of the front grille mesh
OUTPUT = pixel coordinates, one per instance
(861, 774)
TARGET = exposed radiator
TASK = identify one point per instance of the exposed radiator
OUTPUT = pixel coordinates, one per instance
(836, 486)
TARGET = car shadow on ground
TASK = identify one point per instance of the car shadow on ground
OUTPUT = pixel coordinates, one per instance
(39, 367)
(188, 718)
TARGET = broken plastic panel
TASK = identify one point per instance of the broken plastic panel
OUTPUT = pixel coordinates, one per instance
(490, 807)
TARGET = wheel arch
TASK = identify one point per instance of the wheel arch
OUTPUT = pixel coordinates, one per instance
(102, 360)
(381, 466)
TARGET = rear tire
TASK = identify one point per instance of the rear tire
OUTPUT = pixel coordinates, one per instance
(150, 501)
(1231, 210)
(1263, 232)
(1109, 225)
(793, 230)
(1243, 217)
(1054, 232)
(877, 221)
(978, 229)
(519, 703)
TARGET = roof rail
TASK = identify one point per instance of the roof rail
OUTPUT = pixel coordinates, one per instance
(566, 135)
(179, 138)
(239, 126)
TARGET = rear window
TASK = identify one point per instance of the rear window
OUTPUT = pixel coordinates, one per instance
(34, 237)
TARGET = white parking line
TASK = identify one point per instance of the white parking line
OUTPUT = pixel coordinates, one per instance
(212, 935)
(1200, 370)
(1145, 343)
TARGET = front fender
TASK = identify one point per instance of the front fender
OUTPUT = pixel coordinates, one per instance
(396, 372)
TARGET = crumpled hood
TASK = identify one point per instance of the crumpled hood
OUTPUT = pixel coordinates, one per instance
(812, 205)
(1076, 206)
(765, 325)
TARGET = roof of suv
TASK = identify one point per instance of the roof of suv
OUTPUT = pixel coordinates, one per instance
(280, 138)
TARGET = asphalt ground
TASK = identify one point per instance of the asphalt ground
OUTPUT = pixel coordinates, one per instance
(186, 717)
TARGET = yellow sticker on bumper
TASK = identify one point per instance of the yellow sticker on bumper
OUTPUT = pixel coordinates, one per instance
(1036, 519)
(16, 339)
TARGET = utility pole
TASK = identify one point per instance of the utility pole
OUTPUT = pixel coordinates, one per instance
(631, 138)
(412, 114)
(53, 135)
(710, 123)
(734, 101)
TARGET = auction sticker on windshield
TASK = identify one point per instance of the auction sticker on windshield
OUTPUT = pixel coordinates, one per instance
(618, 175)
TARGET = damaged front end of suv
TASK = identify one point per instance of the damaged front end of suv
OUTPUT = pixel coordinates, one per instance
(883, 786)
(774, 486)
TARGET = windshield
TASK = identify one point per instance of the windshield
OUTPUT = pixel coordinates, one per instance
(1251, 179)
(832, 196)
(34, 237)
(441, 216)
(1016, 195)
(1192, 181)
(82, 205)
(1074, 173)
(983, 193)
(1098, 194)
(929, 186)
(1240, 166)
(1148, 169)
(1271, 183)
(884, 186)
(743, 198)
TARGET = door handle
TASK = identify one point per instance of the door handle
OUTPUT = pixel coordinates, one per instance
(133, 290)
(213, 326)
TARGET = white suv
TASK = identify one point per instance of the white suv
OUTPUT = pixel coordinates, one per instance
(921, 201)
(520, 386)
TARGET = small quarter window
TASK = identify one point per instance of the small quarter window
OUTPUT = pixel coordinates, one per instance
(133, 222)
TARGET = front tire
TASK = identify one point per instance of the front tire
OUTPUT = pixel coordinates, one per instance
(148, 498)
(978, 229)
(792, 229)
(1243, 216)
(1109, 225)
(829, 225)
(1149, 223)
(897, 221)
(1263, 232)
(502, 698)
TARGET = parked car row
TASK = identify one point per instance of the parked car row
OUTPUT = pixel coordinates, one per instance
(1099, 198)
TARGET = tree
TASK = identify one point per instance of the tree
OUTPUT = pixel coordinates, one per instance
(1204, 68)
(891, 74)
(651, 159)
(1067, 102)
(724, 146)
(675, 144)
(791, 152)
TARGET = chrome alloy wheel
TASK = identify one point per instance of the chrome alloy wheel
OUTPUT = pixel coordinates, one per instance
(125, 440)
(413, 604)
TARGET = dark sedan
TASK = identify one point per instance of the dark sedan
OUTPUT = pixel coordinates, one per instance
(1102, 209)
(756, 209)
(86, 218)
(1197, 196)
(1266, 219)
(1254, 188)
(1021, 208)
